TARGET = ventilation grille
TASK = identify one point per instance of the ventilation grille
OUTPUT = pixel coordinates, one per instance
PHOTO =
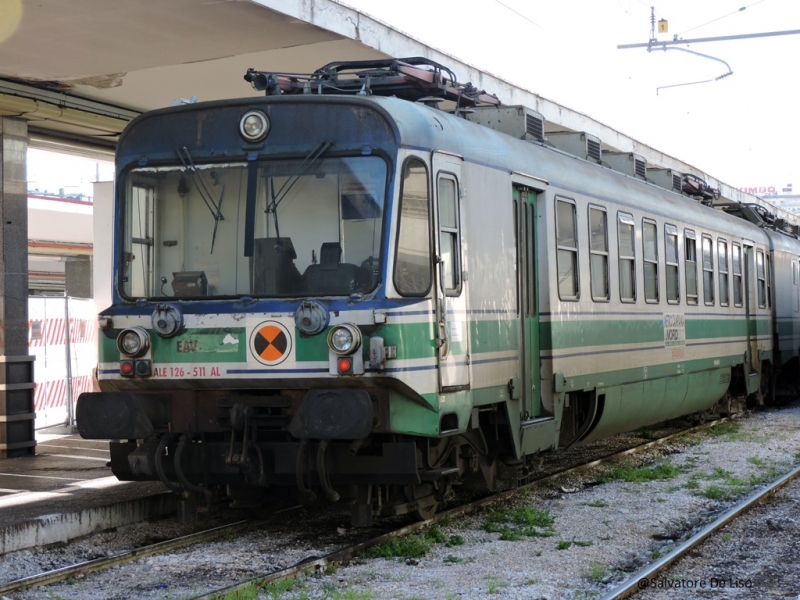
(640, 168)
(577, 143)
(676, 182)
(534, 125)
(517, 121)
(626, 162)
(593, 149)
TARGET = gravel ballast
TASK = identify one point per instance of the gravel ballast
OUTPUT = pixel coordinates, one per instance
(578, 537)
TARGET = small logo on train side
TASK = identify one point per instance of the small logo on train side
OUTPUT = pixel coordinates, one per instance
(270, 343)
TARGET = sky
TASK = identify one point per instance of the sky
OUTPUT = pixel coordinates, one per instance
(743, 129)
(52, 173)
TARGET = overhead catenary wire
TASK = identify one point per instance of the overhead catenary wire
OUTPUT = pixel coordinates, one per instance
(519, 14)
(738, 10)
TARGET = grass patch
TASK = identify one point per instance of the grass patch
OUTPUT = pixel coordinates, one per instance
(514, 525)
(455, 540)
(524, 516)
(723, 429)
(412, 546)
(729, 485)
(641, 474)
(495, 584)
(274, 591)
(597, 572)
(567, 544)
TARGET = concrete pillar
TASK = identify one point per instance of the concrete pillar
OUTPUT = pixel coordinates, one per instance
(17, 436)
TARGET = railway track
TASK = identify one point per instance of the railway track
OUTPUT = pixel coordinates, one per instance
(640, 580)
(317, 562)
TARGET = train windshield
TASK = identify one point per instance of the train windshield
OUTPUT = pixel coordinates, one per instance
(274, 229)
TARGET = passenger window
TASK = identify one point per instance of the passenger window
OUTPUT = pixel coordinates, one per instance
(671, 247)
(567, 249)
(598, 252)
(762, 279)
(650, 255)
(448, 234)
(412, 270)
(627, 257)
(769, 284)
(691, 266)
(737, 274)
(796, 293)
(722, 258)
(708, 270)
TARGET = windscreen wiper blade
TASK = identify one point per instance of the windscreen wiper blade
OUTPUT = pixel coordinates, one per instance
(205, 193)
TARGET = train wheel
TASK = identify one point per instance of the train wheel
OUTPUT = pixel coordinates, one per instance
(424, 501)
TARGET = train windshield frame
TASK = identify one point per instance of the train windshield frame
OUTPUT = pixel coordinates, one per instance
(268, 228)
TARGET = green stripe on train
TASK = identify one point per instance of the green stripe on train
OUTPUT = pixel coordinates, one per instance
(556, 335)
(214, 344)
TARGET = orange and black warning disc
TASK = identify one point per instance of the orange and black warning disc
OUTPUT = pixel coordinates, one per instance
(270, 342)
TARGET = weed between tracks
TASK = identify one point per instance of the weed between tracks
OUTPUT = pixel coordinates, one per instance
(634, 474)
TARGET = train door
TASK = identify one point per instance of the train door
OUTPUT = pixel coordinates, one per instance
(452, 336)
(525, 218)
(751, 302)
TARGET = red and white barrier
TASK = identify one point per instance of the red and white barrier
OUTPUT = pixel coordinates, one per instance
(51, 341)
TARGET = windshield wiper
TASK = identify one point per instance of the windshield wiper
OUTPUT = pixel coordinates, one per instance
(302, 168)
(205, 193)
(274, 198)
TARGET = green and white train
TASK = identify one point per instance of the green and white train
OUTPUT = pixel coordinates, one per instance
(369, 298)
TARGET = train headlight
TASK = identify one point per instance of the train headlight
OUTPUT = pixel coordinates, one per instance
(254, 126)
(133, 342)
(344, 339)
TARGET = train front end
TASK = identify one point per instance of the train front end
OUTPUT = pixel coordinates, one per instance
(271, 324)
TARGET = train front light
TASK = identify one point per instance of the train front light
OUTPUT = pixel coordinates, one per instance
(133, 342)
(254, 126)
(344, 339)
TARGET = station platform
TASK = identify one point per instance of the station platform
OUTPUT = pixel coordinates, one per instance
(67, 490)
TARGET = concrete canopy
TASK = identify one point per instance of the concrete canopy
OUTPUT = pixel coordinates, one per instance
(84, 68)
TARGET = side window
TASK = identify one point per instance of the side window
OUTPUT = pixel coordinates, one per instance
(567, 249)
(708, 270)
(722, 260)
(598, 252)
(691, 266)
(650, 256)
(449, 245)
(627, 257)
(795, 291)
(671, 248)
(762, 279)
(737, 274)
(769, 283)
(412, 269)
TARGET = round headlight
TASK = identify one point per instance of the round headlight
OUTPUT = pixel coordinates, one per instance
(133, 342)
(254, 126)
(344, 339)
(167, 320)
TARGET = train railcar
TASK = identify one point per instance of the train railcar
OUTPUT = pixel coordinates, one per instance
(370, 298)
